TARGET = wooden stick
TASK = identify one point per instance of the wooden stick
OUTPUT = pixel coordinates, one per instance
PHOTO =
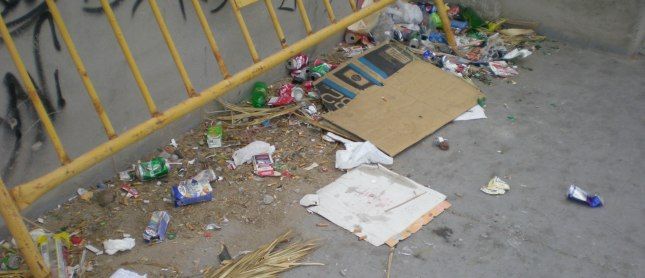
(389, 262)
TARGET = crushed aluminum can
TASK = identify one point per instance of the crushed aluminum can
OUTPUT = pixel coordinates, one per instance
(153, 169)
(319, 70)
(428, 55)
(299, 76)
(581, 196)
(11, 261)
(308, 86)
(287, 94)
(297, 62)
(131, 191)
(441, 143)
(157, 227)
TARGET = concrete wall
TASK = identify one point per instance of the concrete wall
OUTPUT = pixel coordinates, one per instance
(612, 25)
(76, 122)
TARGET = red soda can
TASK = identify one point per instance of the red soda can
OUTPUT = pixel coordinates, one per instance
(308, 85)
(297, 62)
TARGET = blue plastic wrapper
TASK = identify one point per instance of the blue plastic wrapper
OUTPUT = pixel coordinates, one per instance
(157, 227)
(581, 196)
(195, 190)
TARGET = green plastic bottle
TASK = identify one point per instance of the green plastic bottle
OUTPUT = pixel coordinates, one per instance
(259, 94)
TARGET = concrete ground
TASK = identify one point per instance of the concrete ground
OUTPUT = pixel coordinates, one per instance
(579, 120)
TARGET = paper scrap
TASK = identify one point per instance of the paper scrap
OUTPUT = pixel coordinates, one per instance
(475, 113)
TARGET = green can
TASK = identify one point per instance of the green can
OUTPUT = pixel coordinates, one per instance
(319, 70)
(153, 169)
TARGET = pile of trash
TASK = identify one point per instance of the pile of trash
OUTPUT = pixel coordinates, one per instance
(483, 49)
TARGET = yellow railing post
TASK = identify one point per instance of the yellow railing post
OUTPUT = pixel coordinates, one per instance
(190, 90)
(33, 95)
(245, 31)
(210, 38)
(27, 193)
(276, 23)
(304, 16)
(352, 4)
(136, 73)
(445, 21)
(13, 220)
(80, 67)
(330, 11)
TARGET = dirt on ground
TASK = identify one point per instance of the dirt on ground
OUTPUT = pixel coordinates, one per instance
(240, 196)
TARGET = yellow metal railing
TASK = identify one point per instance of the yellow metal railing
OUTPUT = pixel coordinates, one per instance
(21, 196)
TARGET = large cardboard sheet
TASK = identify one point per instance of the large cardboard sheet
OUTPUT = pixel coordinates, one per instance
(413, 103)
(378, 205)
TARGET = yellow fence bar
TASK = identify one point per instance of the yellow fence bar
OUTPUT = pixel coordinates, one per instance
(330, 11)
(245, 32)
(190, 90)
(136, 73)
(352, 4)
(210, 38)
(80, 67)
(305, 17)
(276, 23)
(445, 21)
(29, 192)
(33, 95)
(13, 220)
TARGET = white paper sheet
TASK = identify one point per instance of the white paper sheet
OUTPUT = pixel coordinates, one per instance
(475, 113)
(374, 202)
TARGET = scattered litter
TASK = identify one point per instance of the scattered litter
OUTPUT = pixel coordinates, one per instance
(312, 166)
(112, 246)
(124, 273)
(212, 226)
(214, 135)
(475, 113)
(153, 169)
(84, 194)
(441, 143)
(357, 153)
(196, 190)
(517, 53)
(376, 204)
(581, 196)
(40, 220)
(131, 191)
(502, 69)
(157, 226)
(496, 186)
(94, 250)
(263, 166)
(245, 155)
(224, 255)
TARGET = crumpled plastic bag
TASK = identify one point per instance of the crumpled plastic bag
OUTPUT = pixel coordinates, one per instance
(124, 273)
(403, 12)
(245, 155)
(496, 186)
(365, 25)
(112, 246)
(357, 153)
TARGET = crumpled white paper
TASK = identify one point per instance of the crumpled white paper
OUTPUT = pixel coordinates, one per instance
(245, 155)
(124, 273)
(357, 153)
(112, 246)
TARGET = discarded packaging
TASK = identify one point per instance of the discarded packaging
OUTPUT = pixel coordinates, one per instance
(131, 191)
(441, 143)
(287, 94)
(376, 204)
(214, 135)
(112, 246)
(52, 249)
(156, 168)
(475, 113)
(357, 153)
(157, 227)
(502, 69)
(196, 190)
(581, 196)
(94, 250)
(124, 273)
(496, 186)
(263, 166)
(245, 155)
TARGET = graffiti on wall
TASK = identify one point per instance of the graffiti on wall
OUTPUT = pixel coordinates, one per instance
(20, 116)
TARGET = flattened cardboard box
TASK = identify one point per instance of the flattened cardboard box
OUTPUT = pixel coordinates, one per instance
(411, 104)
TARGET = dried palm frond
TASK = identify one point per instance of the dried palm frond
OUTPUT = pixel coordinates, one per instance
(267, 261)
(252, 115)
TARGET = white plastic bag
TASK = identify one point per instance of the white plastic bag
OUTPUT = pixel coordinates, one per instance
(112, 246)
(245, 155)
(405, 13)
(124, 273)
(357, 153)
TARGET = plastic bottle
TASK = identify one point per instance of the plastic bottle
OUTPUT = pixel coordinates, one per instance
(259, 94)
